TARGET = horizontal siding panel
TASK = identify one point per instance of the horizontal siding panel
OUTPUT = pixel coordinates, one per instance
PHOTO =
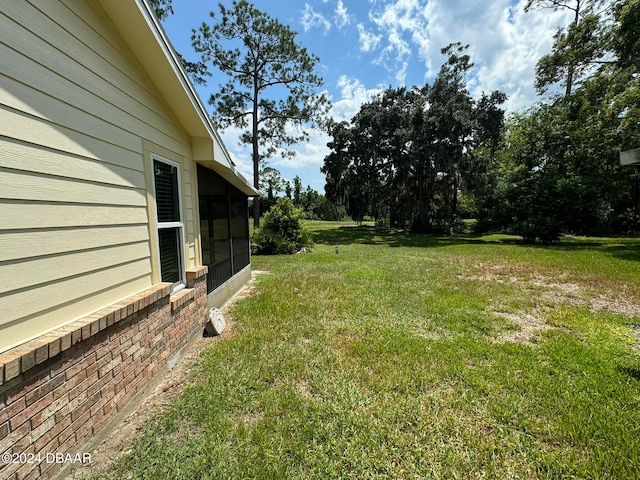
(188, 191)
(51, 296)
(20, 275)
(19, 216)
(14, 333)
(68, 105)
(18, 96)
(94, 21)
(71, 57)
(89, 81)
(18, 156)
(26, 244)
(97, 48)
(190, 229)
(27, 129)
(21, 186)
(189, 218)
(191, 256)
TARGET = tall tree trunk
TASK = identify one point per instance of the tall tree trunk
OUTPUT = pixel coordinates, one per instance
(571, 67)
(454, 201)
(420, 223)
(255, 155)
(567, 93)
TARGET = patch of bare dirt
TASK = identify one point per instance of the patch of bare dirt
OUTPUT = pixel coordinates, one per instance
(496, 272)
(304, 388)
(530, 328)
(596, 294)
(437, 334)
(118, 441)
(619, 306)
(593, 293)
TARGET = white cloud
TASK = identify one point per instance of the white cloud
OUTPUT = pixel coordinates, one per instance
(505, 42)
(342, 17)
(397, 45)
(308, 154)
(368, 41)
(397, 18)
(240, 153)
(352, 95)
(401, 73)
(312, 19)
(312, 153)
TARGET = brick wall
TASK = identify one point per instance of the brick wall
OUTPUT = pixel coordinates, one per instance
(59, 390)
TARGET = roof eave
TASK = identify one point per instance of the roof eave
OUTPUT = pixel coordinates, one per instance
(154, 51)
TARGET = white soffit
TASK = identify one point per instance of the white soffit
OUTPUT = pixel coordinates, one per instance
(630, 157)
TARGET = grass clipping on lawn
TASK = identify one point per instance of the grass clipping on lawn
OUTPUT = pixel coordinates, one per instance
(416, 357)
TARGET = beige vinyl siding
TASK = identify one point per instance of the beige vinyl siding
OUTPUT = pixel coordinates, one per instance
(188, 199)
(42, 216)
(25, 244)
(194, 233)
(70, 305)
(67, 165)
(88, 54)
(42, 187)
(77, 116)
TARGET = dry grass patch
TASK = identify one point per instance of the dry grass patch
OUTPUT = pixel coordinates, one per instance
(548, 290)
(530, 327)
(305, 390)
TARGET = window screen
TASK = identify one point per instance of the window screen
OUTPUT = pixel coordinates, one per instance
(166, 180)
(167, 202)
(169, 243)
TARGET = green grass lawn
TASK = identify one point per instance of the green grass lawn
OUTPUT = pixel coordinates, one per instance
(417, 357)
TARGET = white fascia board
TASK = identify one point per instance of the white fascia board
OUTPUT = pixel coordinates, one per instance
(159, 58)
(630, 157)
(181, 73)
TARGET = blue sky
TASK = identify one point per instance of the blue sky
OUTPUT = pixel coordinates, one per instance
(367, 45)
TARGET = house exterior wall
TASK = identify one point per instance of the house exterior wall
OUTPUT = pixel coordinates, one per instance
(85, 320)
(59, 390)
(79, 120)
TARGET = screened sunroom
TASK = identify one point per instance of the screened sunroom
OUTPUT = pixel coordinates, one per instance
(224, 229)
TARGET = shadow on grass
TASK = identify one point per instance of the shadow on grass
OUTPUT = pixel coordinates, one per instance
(624, 248)
(627, 252)
(346, 235)
(632, 372)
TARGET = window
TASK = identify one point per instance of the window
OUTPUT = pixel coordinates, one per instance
(166, 182)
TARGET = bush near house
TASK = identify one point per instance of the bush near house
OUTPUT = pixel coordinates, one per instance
(282, 230)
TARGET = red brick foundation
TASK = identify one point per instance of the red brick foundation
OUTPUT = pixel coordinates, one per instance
(59, 390)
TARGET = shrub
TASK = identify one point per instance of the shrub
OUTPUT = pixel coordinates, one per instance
(282, 230)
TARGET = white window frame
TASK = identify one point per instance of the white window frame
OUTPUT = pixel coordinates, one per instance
(179, 225)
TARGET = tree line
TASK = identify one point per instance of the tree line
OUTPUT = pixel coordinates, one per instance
(424, 157)
(312, 205)
(418, 158)
(408, 154)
